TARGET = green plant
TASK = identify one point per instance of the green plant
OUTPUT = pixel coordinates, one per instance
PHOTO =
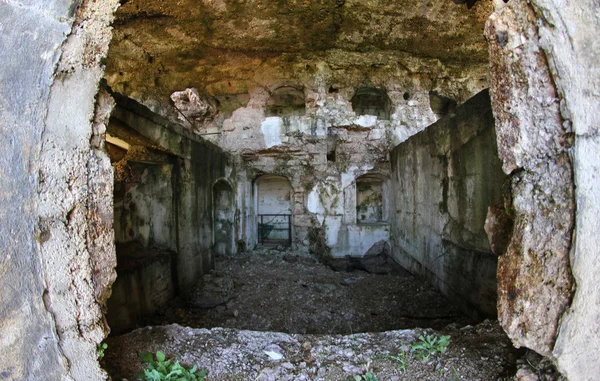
(162, 369)
(428, 346)
(101, 347)
(401, 359)
(369, 376)
(455, 375)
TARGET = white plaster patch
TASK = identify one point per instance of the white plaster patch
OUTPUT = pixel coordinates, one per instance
(349, 176)
(314, 204)
(272, 131)
(333, 224)
(366, 120)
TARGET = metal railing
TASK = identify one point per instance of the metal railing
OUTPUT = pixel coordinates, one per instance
(275, 223)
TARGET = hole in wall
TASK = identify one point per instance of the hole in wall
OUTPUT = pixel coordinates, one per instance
(371, 101)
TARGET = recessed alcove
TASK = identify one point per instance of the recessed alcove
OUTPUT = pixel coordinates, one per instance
(286, 101)
(372, 101)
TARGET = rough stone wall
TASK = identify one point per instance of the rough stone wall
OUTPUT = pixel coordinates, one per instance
(224, 49)
(322, 153)
(58, 256)
(443, 181)
(544, 88)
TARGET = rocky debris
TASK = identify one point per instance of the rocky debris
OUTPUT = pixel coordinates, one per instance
(380, 264)
(192, 107)
(482, 352)
(290, 291)
(533, 367)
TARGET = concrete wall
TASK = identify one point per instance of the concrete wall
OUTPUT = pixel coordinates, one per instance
(143, 287)
(224, 218)
(443, 181)
(198, 166)
(144, 212)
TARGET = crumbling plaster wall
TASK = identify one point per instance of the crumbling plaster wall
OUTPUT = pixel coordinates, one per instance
(297, 147)
(545, 81)
(443, 181)
(58, 253)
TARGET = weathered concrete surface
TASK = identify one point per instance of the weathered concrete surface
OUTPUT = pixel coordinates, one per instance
(553, 45)
(72, 220)
(143, 287)
(567, 35)
(144, 210)
(54, 290)
(443, 181)
(534, 277)
(26, 326)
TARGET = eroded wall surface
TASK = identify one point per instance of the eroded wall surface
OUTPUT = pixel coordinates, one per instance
(443, 181)
(57, 250)
(25, 323)
(545, 78)
(321, 153)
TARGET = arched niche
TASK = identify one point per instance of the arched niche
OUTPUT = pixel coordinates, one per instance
(224, 218)
(286, 101)
(371, 199)
(372, 101)
(274, 209)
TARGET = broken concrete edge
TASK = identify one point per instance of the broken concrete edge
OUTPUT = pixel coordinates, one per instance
(75, 206)
(570, 338)
(572, 56)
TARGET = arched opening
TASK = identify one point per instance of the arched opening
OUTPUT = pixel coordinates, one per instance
(372, 101)
(224, 214)
(274, 210)
(286, 101)
(371, 199)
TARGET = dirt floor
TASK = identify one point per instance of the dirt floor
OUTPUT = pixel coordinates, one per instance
(284, 316)
(270, 290)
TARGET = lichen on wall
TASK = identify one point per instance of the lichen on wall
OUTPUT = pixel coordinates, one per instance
(534, 277)
(544, 81)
